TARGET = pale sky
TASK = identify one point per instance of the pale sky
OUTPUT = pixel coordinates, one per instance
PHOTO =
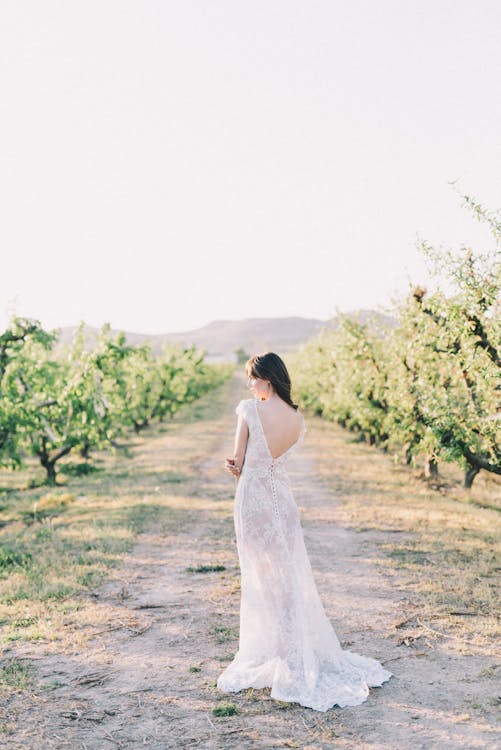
(165, 164)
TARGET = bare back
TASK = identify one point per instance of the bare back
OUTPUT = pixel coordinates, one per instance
(281, 425)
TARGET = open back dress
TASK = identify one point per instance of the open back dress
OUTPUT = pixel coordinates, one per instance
(286, 640)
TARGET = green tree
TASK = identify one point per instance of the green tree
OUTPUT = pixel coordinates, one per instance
(432, 386)
(21, 335)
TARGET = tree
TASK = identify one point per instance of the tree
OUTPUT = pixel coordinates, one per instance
(21, 336)
(51, 405)
(433, 385)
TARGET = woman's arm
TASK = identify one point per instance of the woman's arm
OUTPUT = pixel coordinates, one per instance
(235, 464)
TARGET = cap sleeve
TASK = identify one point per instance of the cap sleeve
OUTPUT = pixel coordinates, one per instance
(240, 410)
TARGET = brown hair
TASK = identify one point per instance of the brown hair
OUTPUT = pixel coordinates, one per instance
(269, 366)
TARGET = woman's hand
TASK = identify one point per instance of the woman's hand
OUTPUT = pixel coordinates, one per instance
(231, 467)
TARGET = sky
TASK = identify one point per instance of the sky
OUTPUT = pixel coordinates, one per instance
(166, 164)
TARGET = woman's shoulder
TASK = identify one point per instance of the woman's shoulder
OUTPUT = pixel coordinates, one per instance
(291, 409)
(285, 410)
(243, 405)
(298, 415)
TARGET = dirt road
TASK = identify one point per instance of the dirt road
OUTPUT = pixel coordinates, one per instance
(148, 678)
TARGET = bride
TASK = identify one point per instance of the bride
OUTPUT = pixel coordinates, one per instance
(286, 640)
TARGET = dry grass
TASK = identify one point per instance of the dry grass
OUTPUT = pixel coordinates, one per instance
(57, 547)
(441, 543)
(134, 661)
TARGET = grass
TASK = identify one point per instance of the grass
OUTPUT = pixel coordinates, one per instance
(13, 556)
(433, 544)
(50, 504)
(225, 709)
(223, 634)
(439, 542)
(57, 546)
(80, 468)
(15, 674)
(205, 569)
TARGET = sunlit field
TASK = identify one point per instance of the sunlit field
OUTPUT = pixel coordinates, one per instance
(91, 569)
(59, 543)
(438, 540)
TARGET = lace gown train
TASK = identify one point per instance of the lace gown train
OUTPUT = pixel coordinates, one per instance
(286, 640)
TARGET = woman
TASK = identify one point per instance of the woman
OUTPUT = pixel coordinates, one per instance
(286, 640)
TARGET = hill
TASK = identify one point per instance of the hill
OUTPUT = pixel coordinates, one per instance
(221, 338)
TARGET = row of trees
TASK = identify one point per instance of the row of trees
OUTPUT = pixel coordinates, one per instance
(431, 385)
(52, 403)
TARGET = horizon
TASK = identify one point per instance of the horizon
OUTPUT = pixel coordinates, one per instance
(223, 320)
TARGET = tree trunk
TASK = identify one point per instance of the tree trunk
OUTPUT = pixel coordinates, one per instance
(407, 454)
(84, 451)
(469, 475)
(431, 467)
(382, 442)
(49, 463)
(50, 468)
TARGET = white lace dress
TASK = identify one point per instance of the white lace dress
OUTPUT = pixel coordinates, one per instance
(286, 640)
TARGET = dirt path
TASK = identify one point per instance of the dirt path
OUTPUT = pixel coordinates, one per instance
(148, 680)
